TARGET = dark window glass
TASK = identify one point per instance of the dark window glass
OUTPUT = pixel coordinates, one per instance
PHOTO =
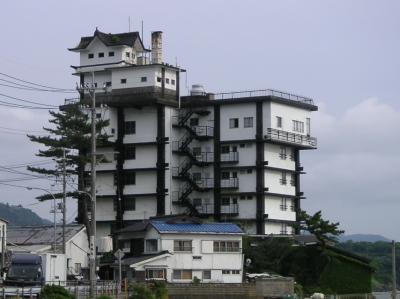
(194, 122)
(101, 54)
(110, 54)
(130, 178)
(130, 152)
(233, 123)
(130, 203)
(123, 81)
(143, 79)
(130, 127)
(91, 55)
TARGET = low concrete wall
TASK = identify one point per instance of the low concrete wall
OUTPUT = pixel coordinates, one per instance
(275, 287)
(212, 291)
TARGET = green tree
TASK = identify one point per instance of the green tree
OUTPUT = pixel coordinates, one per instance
(71, 129)
(323, 230)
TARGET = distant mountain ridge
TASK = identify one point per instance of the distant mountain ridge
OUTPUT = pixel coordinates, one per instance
(363, 238)
(19, 216)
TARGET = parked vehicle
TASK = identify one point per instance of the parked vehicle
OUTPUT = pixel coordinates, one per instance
(29, 269)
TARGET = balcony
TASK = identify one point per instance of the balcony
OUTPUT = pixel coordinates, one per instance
(230, 157)
(291, 138)
(208, 209)
(230, 183)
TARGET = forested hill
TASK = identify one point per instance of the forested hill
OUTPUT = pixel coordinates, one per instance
(17, 215)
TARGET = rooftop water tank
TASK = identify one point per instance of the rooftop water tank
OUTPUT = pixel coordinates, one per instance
(197, 90)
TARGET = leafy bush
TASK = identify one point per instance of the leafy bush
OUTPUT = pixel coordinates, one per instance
(140, 291)
(55, 292)
(104, 297)
(160, 290)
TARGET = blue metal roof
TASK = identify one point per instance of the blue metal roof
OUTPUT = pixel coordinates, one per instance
(214, 228)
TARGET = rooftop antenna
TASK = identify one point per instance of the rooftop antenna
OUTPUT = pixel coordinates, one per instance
(129, 22)
(142, 30)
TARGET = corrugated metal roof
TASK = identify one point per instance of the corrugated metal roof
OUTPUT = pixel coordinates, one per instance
(214, 228)
(36, 235)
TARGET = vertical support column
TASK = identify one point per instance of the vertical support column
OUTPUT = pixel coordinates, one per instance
(260, 201)
(119, 178)
(217, 163)
(177, 86)
(161, 159)
(162, 82)
(297, 207)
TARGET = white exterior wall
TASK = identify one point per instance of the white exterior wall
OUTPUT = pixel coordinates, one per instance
(146, 206)
(103, 229)
(105, 184)
(146, 182)
(77, 250)
(272, 182)
(274, 211)
(202, 245)
(105, 209)
(133, 77)
(95, 47)
(237, 111)
(146, 124)
(272, 155)
(146, 157)
(275, 229)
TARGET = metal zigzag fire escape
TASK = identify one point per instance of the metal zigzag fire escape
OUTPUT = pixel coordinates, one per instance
(201, 159)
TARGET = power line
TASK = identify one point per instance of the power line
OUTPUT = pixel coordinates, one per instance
(21, 130)
(31, 83)
(24, 164)
(26, 87)
(26, 101)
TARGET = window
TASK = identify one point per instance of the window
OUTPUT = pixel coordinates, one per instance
(127, 54)
(226, 246)
(234, 200)
(249, 197)
(78, 268)
(90, 55)
(225, 149)
(113, 132)
(196, 151)
(283, 205)
(172, 81)
(308, 126)
(242, 145)
(249, 171)
(130, 178)
(242, 197)
(95, 84)
(194, 122)
(279, 122)
(143, 79)
(283, 178)
(123, 81)
(197, 257)
(155, 274)
(130, 203)
(234, 148)
(101, 54)
(130, 127)
(235, 271)
(292, 155)
(248, 122)
(196, 176)
(284, 230)
(158, 79)
(183, 245)
(108, 84)
(197, 202)
(206, 274)
(110, 54)
(225, 175)
(234, 174)
(298, 126)
(226, 271)
(182, 274)
(225, 201)
(151, 245)
(282, 152)
(292, 206)
(233, 123)
(98, 115)
(130, 152)
(167, 80)
(293, 179)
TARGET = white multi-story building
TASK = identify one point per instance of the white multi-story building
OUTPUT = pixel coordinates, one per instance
(230, 157)
(180, 249)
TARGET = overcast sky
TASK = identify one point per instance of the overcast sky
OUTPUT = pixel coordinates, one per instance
(343, 54)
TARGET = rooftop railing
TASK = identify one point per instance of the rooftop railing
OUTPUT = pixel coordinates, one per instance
(262, 93)
(279, 135)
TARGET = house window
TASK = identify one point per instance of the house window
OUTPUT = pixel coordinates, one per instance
(98, 115)
(282, 152)
(234, 174)
(225, 201)
(233, 123)
(151, 245)
(159, 79)
(127, 54)
(130, 178)
(123, 81)
(249, 171)
(226, 271)
(248, 122)
(249, 197)
(284, 230)
(130, 203)
(78, 268)
(143, 79)
(130, 127)
(130, 152)
(197, 202)
(293, 179)
(110, 54)
(235, 271)
(167, 80)
(101, 54)
(172, 81)
(279, 122)
(225, 149)
(197, 257)
(182, 274)
(183, 245)
(108, 84)
(242, 145)
(234, 148)
(155, 274)
(206, 274)
(242, 197)
(226, 246)
(90, 55)
(283, 178)
(283, 204)
(225, 175)
(298, 126)
(194, 122)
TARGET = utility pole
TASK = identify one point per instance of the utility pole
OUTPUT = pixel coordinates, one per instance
(92, 238)
(394, 288)
(64, 202)
(3, 247)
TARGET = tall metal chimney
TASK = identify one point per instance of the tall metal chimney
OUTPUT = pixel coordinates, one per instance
(156, 47)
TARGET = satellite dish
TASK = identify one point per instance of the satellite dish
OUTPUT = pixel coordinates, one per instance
(248, 262)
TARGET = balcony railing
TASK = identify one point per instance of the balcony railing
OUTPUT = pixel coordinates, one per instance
(279, 135)
(230, 183)
(263, 93)
(225, 209)
(230, 157)
(71, 101)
